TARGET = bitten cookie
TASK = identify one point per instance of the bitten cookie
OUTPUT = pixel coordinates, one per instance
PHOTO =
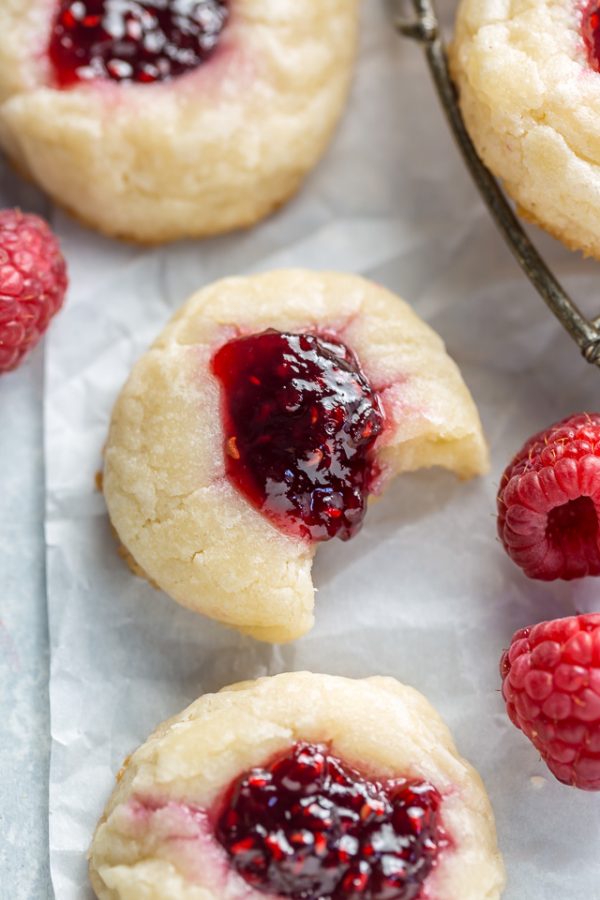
(296, 786)
(528, 75)
(159, 120)
(257, 425)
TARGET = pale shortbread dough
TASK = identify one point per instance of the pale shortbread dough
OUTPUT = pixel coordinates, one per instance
(212, 150)
(377, 724)
(168, 496)
(531, 104)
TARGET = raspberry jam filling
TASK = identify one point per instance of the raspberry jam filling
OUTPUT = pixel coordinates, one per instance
(590, 28)
(300, 422)
(310, 827)
(127, 40)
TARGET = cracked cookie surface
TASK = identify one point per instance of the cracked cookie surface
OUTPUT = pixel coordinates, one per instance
(211, 150)
(169, 498)
(531, 102)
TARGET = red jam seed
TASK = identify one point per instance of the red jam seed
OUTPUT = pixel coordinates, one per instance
(310, 827)
(300, 421)
(127, 40)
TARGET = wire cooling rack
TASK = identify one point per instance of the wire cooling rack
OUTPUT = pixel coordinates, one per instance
(424, 27)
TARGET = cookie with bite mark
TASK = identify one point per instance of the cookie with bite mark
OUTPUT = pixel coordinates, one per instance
(257, 426)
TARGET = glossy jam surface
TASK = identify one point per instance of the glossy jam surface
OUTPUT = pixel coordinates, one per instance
(127, 40)
(300, 421)
(590, 26)
(310, 827)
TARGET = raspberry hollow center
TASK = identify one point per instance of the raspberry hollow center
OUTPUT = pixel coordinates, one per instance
(309, 827)
(572, 531)
(300, 420)
(575, 522)
(127, 40)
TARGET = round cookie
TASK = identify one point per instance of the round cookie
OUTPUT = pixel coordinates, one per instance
(174, 507)
(216, 147)
(164, 832)
(529, 85)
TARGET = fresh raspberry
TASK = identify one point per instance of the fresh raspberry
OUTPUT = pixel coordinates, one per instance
(551, 685)
(549, 501)
(33, 281)
(309, 826)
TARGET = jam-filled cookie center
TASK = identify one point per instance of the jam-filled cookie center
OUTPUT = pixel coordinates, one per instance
(310, 827)
(127, 40)
(300, 421)
(590, 26)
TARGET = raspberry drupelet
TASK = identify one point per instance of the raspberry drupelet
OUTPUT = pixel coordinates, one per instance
(551, 686)
(549, 500)
(33, 282)
(310, 827)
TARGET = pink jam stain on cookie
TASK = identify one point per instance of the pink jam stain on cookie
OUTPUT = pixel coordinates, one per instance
(300, 421)
(131, 41)
(182, 834)
(309, 827)
(590, 28)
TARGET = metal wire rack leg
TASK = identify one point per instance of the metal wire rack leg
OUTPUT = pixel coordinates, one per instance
(425, 28)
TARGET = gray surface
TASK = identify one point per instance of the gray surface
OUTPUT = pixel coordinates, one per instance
(24, 713)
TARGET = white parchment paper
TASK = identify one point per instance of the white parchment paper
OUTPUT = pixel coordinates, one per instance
(424, 593)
